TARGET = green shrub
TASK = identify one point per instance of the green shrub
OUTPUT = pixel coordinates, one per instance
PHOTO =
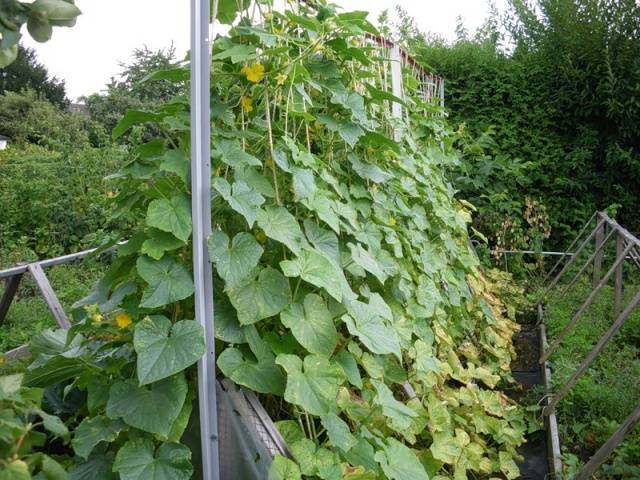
(53, 202)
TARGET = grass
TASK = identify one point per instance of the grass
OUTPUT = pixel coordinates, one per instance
(29, 314)
(608, 391)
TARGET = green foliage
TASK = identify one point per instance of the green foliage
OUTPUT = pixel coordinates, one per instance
(27, 73)
(604, 396)
(39, 16)
(27, 118)
(559, 92)
(67, 197)
(23, 429)
(343, 274)
(132, 90)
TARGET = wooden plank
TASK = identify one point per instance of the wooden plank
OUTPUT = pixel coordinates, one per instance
(597, 262)
(591, 259)
(551, 422)
(561, 259)
(572, 323)
(617, 294)
(593, 354)
(603, 453)
(17, 353)
(49, 295)
(573, 259)
(10, 289)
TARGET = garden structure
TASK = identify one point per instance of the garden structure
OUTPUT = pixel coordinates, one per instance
(296, 209)
(596, 236)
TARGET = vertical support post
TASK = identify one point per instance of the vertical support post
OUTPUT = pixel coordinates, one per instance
(50, 298)
(617, 300)
(597, 262)
(10, 289)
(201, 217)
(396, 87)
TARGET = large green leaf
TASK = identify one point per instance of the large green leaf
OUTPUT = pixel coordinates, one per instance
(171, 215)
(164, 348)
(168, 281)
(399, 462)
(399, 414)
(304, 184)
(92, 431)
(233, 154)
(367, 261)
(316, 268)
(55, 370)
(97, 467)
(373, 331)
(262, 376)
(338, 431)
(280, 225)
(236, 262)
(312, 325)
(242, 198)
(324, 240)
(312, 384)
(176, 161)
(284, 469)
(261, 297)
(151, 408)
(159, 242)
(259, 373)
(139, 460)
(349, 131)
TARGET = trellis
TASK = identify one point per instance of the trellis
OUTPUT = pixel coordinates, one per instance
(396, 64)
(603, 231)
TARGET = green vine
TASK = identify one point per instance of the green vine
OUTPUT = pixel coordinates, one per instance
(344, 282)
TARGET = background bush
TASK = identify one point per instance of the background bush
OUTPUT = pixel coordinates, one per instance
(557, 82)
(53, 202)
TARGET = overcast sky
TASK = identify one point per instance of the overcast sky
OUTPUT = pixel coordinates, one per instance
(87, 55)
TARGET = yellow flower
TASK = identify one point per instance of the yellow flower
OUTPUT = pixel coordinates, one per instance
(97, 317)
(254, 73)
(247, 104)
(123, 320)
(392, 221)
(281, 78)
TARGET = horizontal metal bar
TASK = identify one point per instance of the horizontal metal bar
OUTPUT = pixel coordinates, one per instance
(50, 262)
(532, 252)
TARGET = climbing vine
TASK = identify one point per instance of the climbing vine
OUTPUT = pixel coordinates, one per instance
(344, 282)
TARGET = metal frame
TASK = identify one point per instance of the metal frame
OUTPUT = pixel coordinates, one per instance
(14, 275)
(201, 218)
(627, 247)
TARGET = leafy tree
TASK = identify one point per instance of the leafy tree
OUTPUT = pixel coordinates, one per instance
(129, 90)
(27, 117)
(27, 72)
(558, 82)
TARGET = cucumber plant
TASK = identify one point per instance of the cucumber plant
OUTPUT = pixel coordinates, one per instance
(346, 292)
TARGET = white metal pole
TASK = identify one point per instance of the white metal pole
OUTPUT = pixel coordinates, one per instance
(201, 217)
(396, 87)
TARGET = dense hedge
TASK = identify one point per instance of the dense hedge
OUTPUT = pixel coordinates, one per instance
(53, 202)
(563, 93)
